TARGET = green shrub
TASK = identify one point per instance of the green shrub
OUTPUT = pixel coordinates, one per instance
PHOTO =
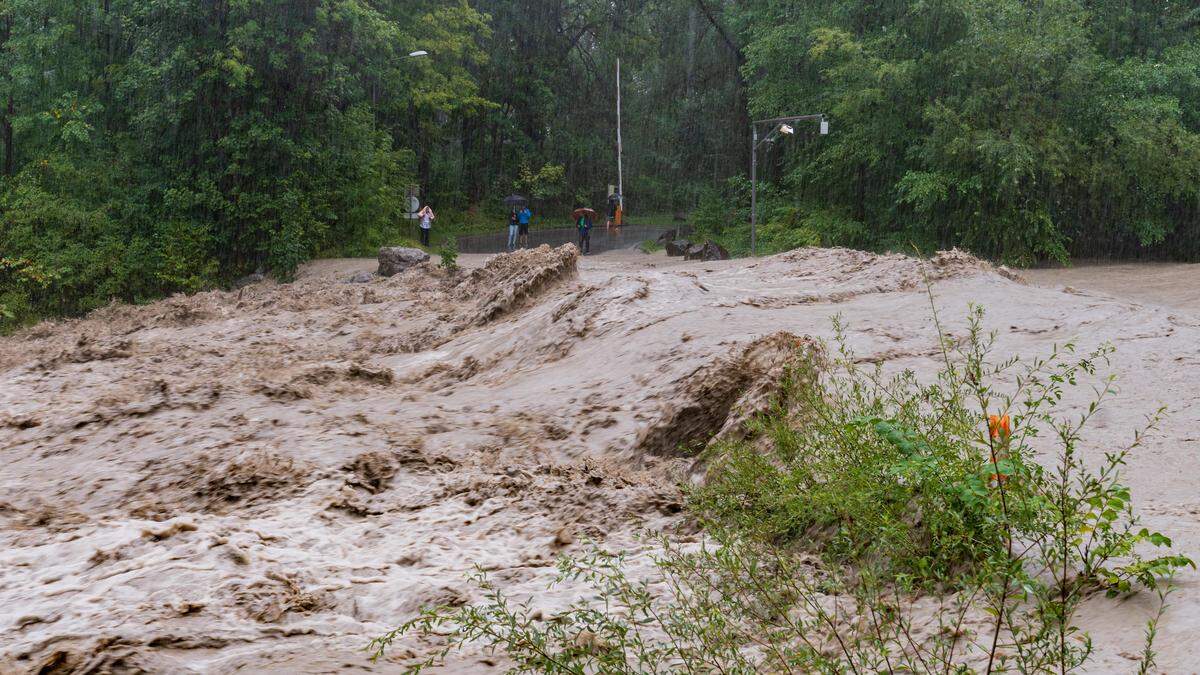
(449, 255)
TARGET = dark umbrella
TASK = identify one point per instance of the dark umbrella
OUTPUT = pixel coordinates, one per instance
(515, 200)
(581, 212)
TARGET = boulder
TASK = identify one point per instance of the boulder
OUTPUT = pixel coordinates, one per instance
(361, 277)
(396, 259)
(250, 279)
(715, 251)
(707, 251)
(677, 247)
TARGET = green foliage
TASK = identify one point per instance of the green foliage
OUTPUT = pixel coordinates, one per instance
(264, 132)
(1019, 132)
(169, 146)
(61, 217)
(449, 256)
(547, 184)
(853, 498)
(650, 246)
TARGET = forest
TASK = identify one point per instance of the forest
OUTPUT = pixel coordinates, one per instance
(149, 147)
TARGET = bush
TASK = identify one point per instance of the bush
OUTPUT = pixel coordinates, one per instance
(65, 220)
(856, 495)
(449, 254)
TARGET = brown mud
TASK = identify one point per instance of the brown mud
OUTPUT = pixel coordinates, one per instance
(263, 480)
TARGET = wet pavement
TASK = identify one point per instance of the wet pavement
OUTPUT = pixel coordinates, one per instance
(603, 239)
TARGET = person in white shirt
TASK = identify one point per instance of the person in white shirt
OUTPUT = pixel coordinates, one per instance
(426, 218)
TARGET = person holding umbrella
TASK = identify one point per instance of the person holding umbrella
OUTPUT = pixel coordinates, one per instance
(583, 221)
(512, 230)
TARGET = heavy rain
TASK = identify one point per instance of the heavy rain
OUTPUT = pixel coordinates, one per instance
(599, 336)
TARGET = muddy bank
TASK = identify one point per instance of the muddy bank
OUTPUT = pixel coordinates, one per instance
(266, 479)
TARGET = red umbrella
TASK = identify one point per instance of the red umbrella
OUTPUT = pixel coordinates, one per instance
(583, 212)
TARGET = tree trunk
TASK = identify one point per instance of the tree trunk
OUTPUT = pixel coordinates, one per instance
(693, 30)
(7, 128)
(860, 197)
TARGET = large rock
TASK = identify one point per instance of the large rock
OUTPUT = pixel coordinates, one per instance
(361, 277)
(250, 280)
(707, 251)
(396, 259)
(677, 247)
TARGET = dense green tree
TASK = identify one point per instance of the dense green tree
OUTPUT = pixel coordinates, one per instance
(1018, 130)
(155, 146)
(161, 145)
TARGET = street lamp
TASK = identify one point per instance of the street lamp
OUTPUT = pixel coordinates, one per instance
(419, 52)
(782, 125)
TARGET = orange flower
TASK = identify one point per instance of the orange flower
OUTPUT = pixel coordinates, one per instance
(999, 426)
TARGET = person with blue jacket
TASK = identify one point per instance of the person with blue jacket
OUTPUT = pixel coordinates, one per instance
(523, 218)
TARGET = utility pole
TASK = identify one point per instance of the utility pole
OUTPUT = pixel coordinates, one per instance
(620, 174)
(753, 189)
(782, 125)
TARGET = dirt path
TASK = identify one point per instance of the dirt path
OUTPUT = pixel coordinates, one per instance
(262, 481)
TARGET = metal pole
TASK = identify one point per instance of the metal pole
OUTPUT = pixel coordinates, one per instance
(620, 173)
(753, 190)
(754, 165)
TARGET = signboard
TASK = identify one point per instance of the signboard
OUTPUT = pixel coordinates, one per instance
(414, 203)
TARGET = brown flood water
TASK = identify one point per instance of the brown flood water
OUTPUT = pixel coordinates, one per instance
(264, 480)
(1168, 284)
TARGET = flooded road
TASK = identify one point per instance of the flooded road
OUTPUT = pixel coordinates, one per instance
(1174, 285)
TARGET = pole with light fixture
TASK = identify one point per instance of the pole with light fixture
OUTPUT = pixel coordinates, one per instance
(414, 202)
(782, 125)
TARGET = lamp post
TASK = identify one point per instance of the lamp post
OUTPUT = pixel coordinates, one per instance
(781, 125)
(413, 55)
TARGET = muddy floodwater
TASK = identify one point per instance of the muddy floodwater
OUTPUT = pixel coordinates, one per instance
(263, 480)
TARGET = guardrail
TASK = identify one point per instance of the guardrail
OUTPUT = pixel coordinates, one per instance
(603, 239)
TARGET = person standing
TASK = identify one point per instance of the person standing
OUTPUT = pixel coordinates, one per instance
(513, 220)
(425, 218)
(584, 223)
(523, 218)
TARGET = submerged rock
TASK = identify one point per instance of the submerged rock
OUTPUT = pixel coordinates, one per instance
(707, 251)
(395, 259)
(677, 247)
(250, 279)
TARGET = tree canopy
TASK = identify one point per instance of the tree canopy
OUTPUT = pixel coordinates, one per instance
(156, 146)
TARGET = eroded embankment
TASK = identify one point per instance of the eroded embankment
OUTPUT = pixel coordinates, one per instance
(268, 478)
